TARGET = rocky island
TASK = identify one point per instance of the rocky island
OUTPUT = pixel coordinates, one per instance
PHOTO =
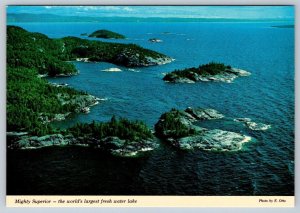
(217, 72)
(176, 127)
(106, 34)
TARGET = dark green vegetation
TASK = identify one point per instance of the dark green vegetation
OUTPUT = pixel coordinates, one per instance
(29, 97)
(106, 34)
(129, 55)
(49, 56)
(121, 128)
(172, 126)
(211, 68)
(37, 51)
(32, 102)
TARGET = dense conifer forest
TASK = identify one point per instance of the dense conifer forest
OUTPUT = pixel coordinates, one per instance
(30, 98)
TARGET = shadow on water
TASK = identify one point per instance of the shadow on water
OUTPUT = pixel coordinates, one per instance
(70, 171)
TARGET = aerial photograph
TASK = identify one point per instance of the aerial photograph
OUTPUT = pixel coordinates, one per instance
(150, 100)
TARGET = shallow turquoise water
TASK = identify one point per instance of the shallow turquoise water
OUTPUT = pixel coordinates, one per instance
(264, 167)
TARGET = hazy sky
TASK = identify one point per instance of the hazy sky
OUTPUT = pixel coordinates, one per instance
(245, 12)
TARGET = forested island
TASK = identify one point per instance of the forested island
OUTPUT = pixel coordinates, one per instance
(106, 34)
(207, 72)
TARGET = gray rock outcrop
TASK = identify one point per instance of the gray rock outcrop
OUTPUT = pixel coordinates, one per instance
(176, 127)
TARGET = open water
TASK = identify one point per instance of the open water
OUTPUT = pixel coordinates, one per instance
(264, 167)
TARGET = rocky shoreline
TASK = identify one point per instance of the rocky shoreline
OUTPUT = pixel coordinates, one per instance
(81, 103)
(112, 145)
(132, 60)
(196, 137)
(175, 127)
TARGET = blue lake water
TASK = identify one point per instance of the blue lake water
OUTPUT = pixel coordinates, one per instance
(264, 167)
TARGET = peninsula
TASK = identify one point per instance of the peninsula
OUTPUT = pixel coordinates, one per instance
(49, 56)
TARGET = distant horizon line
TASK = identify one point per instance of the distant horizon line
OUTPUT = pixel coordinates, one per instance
(94, 18)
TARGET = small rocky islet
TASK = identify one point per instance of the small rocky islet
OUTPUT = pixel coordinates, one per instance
(216, 72)
(155, 40)
(253, 125)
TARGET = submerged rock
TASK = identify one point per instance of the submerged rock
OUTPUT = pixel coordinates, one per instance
(253, 125)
